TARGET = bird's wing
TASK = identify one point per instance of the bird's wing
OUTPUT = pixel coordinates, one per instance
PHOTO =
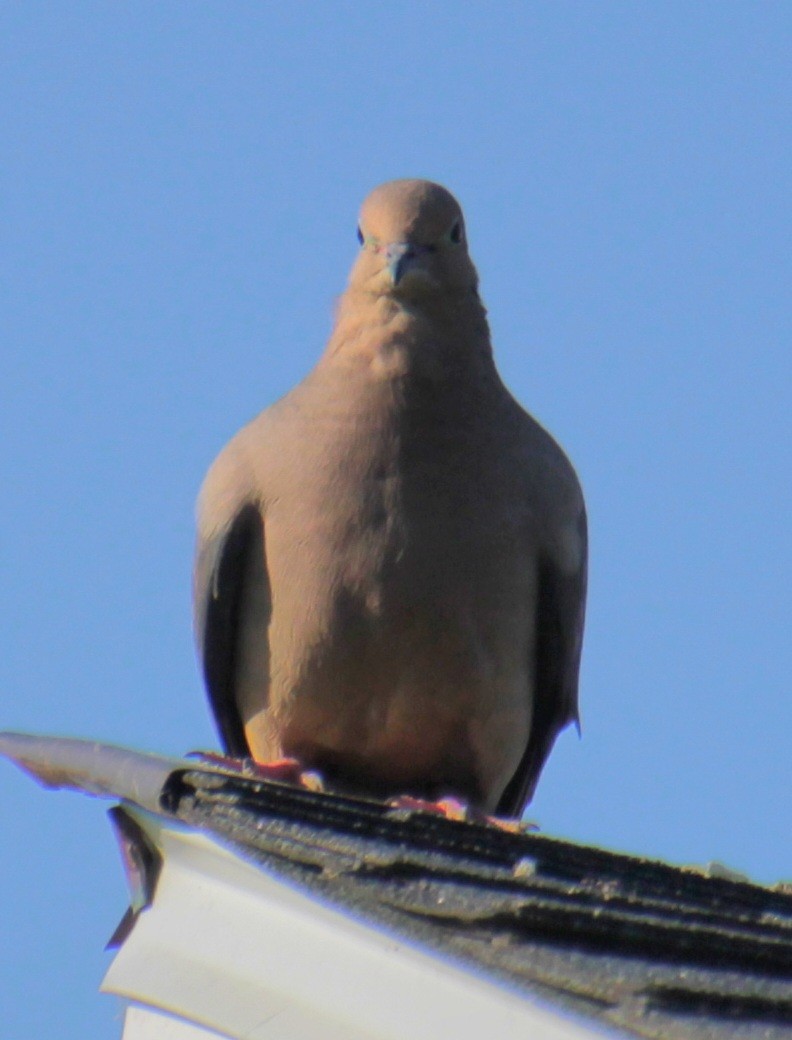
(231, 537)
(560, 615)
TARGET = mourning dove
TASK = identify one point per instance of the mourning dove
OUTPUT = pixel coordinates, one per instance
(391, 561)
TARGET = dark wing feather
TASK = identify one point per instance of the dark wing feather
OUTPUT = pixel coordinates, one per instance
(220, 571)
(560, 614)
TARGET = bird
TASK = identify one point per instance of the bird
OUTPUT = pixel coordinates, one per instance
(390, 570)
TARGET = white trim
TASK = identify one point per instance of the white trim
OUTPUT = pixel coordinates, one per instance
(228, 946)
(144, 1024)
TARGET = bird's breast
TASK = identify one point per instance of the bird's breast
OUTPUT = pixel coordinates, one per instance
(402, 599)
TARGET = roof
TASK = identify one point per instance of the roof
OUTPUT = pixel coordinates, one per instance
(588, 938)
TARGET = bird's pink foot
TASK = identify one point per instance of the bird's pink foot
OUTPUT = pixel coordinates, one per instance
(508, 823)
(281, 770)
(454, 809)
(451, 808)
(286, 771)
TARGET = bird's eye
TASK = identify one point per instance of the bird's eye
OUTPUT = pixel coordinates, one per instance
(456, 233)
(360, 236)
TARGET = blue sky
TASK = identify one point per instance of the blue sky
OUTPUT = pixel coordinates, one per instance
(178, 198)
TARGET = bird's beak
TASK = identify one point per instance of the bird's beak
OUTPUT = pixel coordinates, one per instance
(399, 257)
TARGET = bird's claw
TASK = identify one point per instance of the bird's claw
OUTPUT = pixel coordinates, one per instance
(451, 808)
(280, 770)
(454, 809)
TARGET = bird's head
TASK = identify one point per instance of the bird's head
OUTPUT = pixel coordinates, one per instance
(412, 243)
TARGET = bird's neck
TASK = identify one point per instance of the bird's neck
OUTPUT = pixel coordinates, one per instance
(435, 338)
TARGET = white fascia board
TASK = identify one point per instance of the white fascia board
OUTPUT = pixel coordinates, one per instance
(231, 947)
(146, 1024)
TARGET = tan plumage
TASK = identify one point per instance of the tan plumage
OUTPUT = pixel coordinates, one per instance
(391, 565)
